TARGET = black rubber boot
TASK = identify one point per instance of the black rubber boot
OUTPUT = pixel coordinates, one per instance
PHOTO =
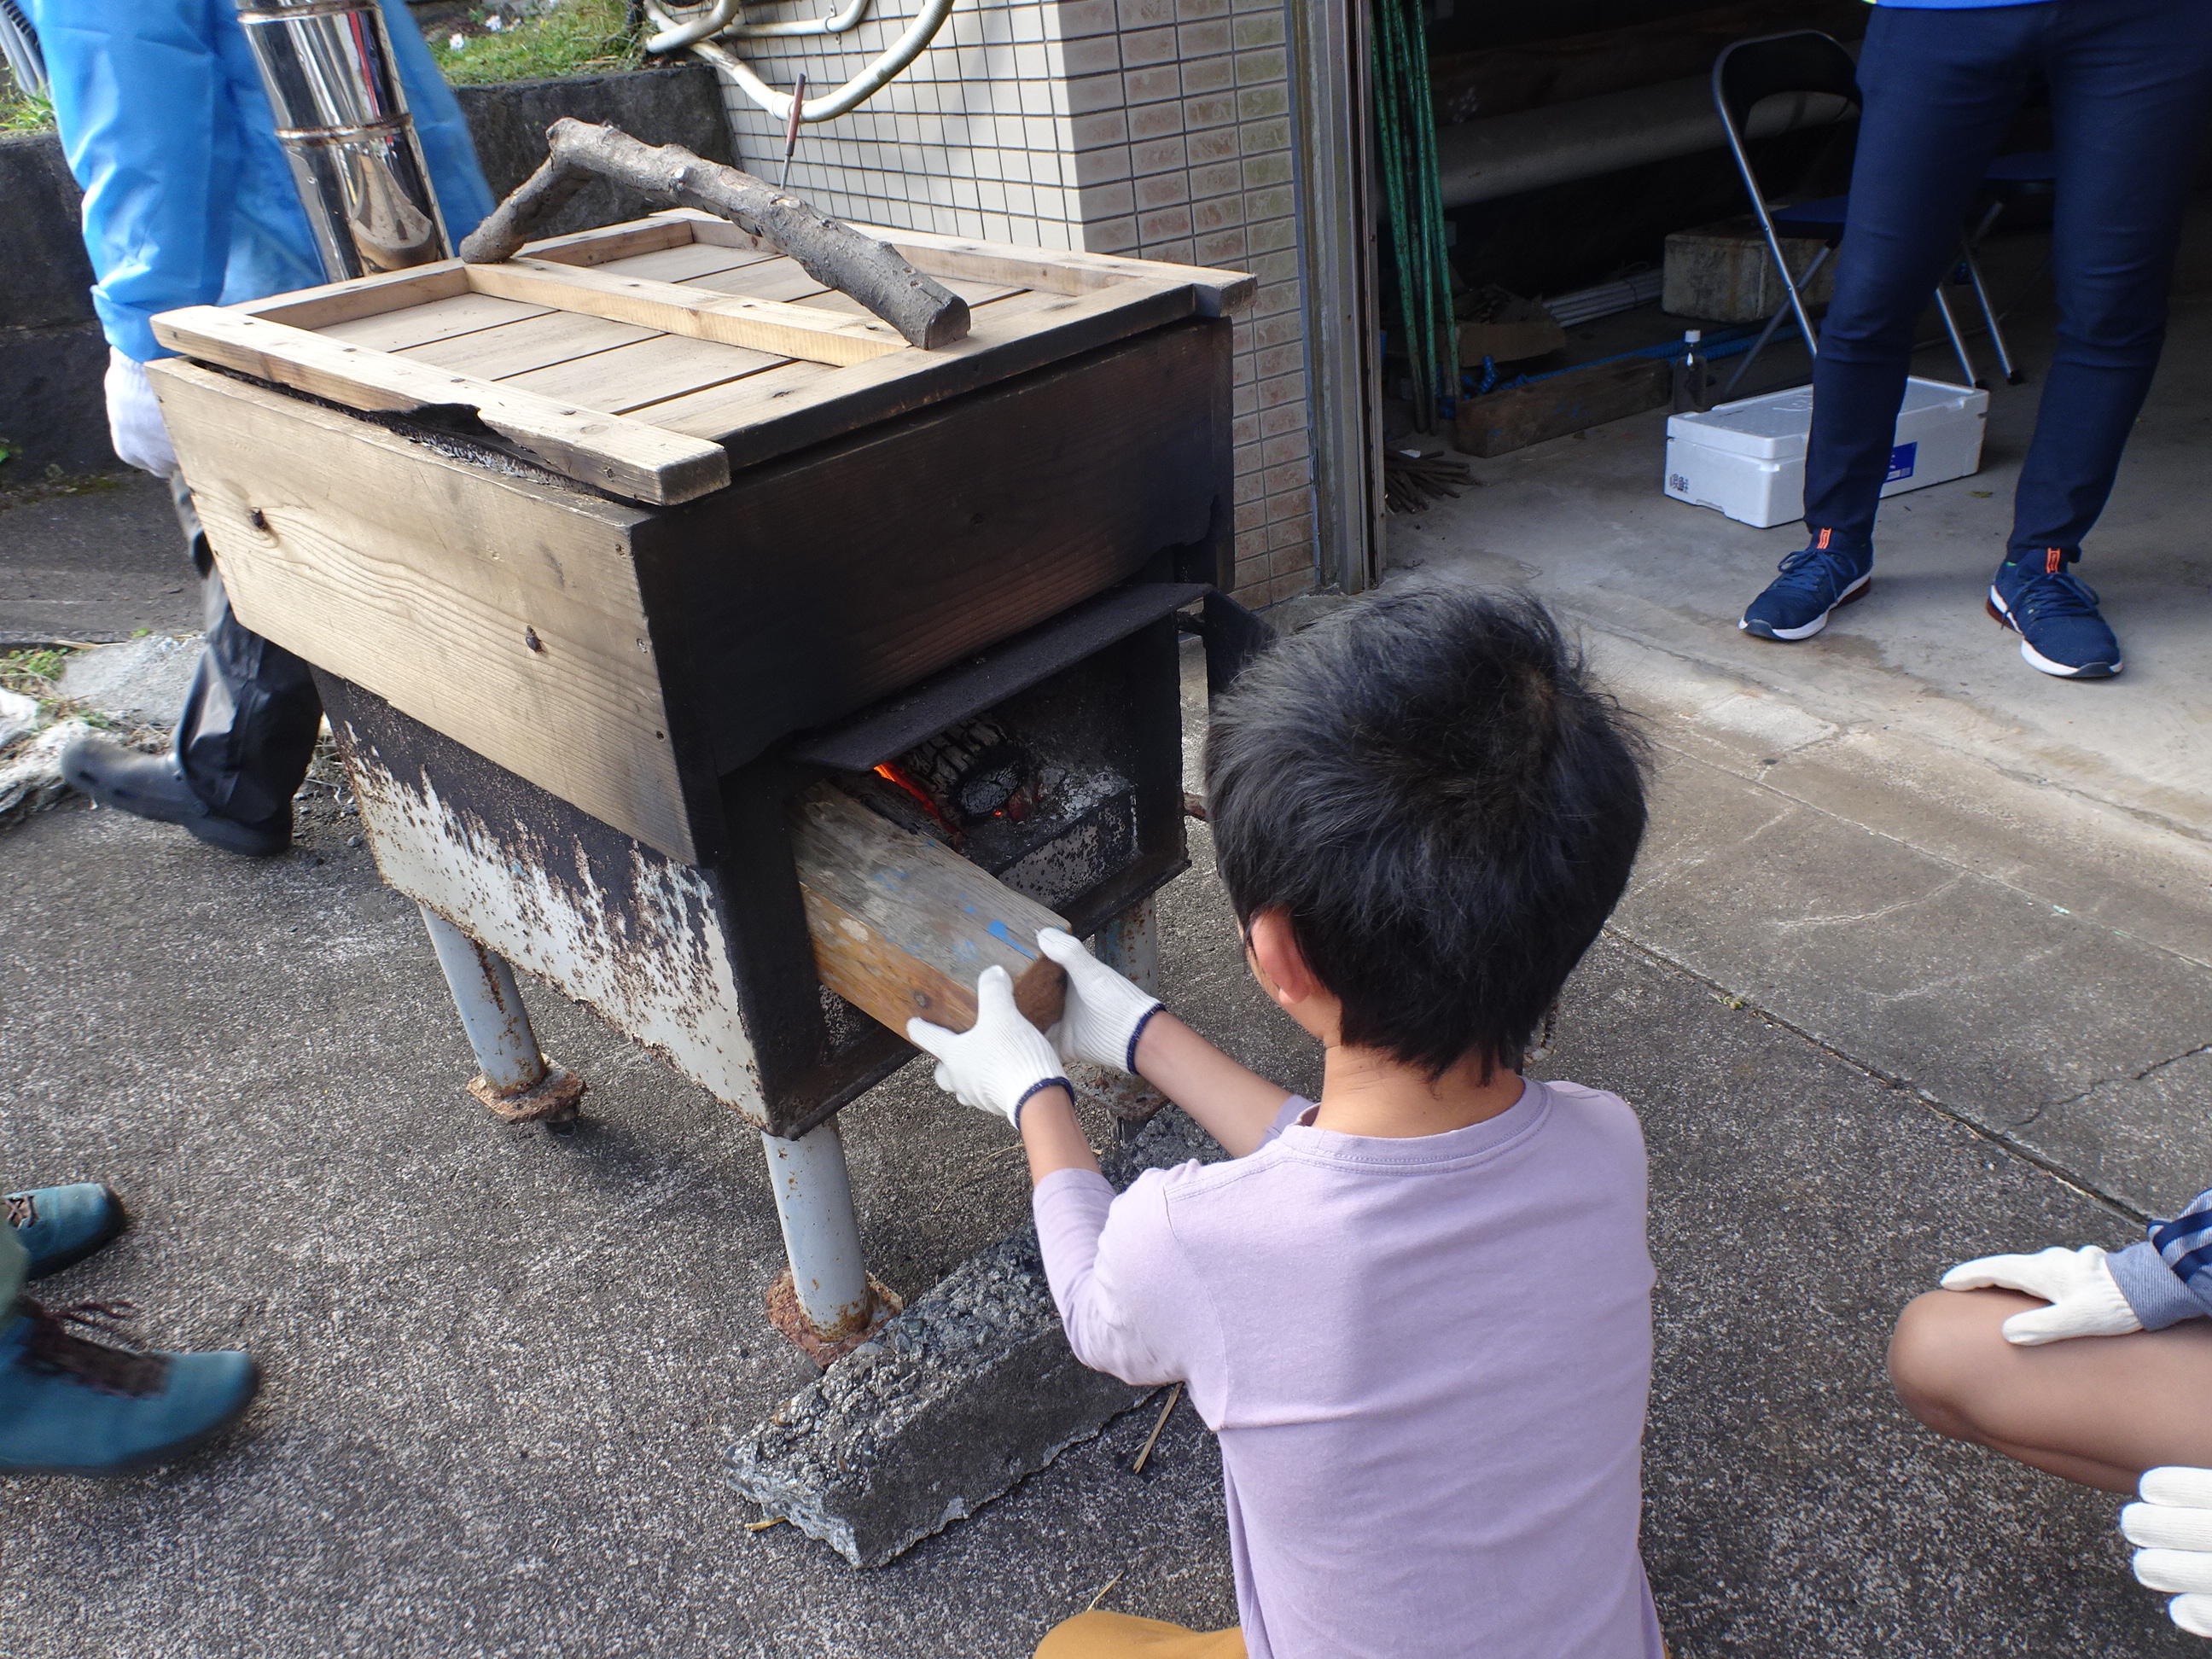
(154, 786)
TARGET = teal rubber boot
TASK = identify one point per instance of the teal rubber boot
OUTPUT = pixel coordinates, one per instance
(59, 1226)
(70, 1406)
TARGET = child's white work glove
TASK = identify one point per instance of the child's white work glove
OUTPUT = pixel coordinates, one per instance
(1105, 1014)
(2173, 1526)
(134, 418)
(2077, 1284)
(1000, 1061)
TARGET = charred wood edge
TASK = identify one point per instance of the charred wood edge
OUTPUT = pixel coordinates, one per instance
(454, 431)
(923, 311)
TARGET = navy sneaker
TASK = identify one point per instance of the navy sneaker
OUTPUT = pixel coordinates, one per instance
(62, 1226)
(1812, 582)
(70, 1406)
(2055, 614)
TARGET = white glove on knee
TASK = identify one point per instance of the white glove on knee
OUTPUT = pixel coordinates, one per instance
(2173, 1526)
(134, 418)
(1000, 1061)
(1105, 1014)
(2077, 1284)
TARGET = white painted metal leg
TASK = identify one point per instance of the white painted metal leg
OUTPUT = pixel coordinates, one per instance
(833, 1302)
(516, 1081)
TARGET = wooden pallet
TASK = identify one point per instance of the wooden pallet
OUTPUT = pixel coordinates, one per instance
(649, 359)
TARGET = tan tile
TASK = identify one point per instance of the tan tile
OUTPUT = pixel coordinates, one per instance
(1275, 297)
(1252, 515)
(1224, 250)
(1252, 544)
(1257, 103)
(1215, 178)
(1151, 85)
(1191, 10)
(1143, 46)
(1090, 94)
(1218, 145)
(1080, 17)
(1208, 74)
(1291, 448)
(1160, 190)
(1171, 253)
(1274, 392)
(1165, 226)
(1260, 171)
(1107, 201)
(1256, 29)
(1288, 475)
(1277, 331)
(1109, 235)
(1255, 69)
(1240, 369)
(1095, 54)
(1269, 235)
(1281, 265)
(1289, 532)
(1108, 126)
(1244, 436)
(1157, 156)
(1145, 13)
(1215, 110)
(1265, 135)
(1100, 167)
(1203, 39)
(1222, 213)
(1287, 361)
(1276, 202)
(1155, 121)
(1290, 504)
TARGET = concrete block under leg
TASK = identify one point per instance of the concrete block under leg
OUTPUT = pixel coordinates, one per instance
(946, 1407)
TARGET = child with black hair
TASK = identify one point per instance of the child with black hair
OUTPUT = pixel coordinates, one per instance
(1417, 1311)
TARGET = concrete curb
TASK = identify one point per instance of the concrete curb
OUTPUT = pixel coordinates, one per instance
(951, 1405)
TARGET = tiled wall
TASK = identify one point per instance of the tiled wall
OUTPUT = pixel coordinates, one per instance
(1156, 127)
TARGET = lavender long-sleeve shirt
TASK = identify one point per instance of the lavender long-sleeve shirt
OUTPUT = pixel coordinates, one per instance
(1426, 1360)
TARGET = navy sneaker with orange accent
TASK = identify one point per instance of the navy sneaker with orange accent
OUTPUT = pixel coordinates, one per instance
(2055, 614)
(1812, 582)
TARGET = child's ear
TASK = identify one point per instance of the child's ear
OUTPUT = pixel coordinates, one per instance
(1278, 961)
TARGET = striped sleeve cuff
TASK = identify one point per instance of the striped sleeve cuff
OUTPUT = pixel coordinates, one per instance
(2157, 1296)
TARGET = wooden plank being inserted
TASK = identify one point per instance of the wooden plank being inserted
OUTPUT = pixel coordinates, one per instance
(901, 926)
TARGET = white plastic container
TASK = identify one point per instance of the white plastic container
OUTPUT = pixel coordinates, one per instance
(1747, 459)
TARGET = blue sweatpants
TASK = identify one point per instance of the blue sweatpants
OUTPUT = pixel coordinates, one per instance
(2131, 89)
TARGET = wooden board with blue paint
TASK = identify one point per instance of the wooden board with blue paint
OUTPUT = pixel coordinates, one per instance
(901, 926)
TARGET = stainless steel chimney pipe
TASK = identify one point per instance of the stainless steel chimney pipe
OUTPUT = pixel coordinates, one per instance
(342, 118)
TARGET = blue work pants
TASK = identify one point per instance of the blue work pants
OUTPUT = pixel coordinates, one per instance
(2130, 85)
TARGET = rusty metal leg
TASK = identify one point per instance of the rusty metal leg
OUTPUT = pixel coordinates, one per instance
(827, 1301)
(516, 1081)
(1130, 945)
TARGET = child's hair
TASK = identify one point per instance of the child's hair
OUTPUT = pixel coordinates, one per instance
(1445, 807)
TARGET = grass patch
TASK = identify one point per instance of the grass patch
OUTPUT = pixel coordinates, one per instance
(26, 111)
(576, 37)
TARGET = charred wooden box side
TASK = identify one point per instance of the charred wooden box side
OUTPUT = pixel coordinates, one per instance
(814, 586)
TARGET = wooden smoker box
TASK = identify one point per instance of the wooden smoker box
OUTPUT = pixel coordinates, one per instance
(580, 541)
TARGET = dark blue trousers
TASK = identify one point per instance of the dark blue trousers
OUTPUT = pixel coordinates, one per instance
(2131, 89)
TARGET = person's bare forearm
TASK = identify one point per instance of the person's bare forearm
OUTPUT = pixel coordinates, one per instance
(1233, 1105)
(1052, 1137)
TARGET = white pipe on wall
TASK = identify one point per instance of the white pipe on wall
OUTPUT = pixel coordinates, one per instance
(1505, 154)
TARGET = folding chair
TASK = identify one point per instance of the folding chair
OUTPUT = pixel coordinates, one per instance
(1804, 61)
